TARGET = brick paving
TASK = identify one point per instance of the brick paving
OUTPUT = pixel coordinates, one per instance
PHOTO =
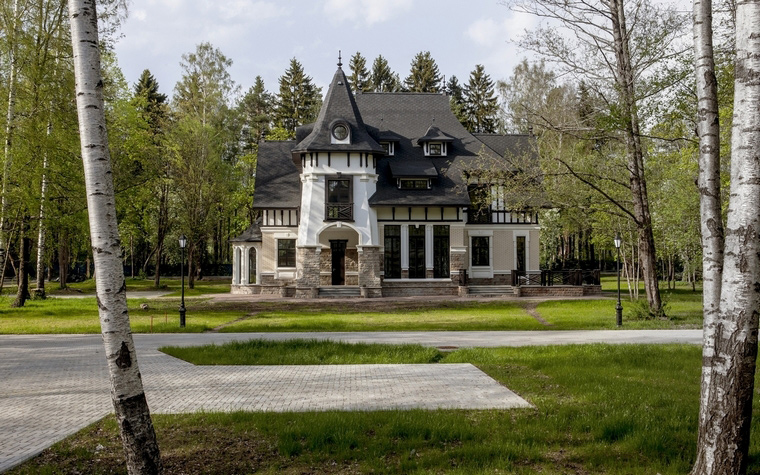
(51, 386)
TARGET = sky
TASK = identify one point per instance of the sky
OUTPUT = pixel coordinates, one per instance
(261, 36)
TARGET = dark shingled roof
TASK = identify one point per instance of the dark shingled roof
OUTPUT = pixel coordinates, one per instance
(252, 234)
(434, 134)
(410, 115)
(278, 184)
(413, 169)
(339, 106)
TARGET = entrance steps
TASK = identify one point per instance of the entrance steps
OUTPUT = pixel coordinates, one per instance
(339, 292)
(485, 290)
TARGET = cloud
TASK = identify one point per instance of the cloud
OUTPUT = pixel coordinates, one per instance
(367, 12)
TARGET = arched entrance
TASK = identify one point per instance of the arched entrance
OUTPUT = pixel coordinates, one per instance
(339, 260)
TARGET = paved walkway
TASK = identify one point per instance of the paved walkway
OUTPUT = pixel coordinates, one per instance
(54, 385)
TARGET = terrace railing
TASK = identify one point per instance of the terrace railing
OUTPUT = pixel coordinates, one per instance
(556, 277)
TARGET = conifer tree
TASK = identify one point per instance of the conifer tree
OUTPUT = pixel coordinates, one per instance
(456, 98)
(383, 79)
(424, 75)
(359, 78)
(154, 103)
(480, 103)
(299, 99)
(256, 108)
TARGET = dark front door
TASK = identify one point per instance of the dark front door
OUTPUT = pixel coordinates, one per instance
(338, 248)
(520, 244)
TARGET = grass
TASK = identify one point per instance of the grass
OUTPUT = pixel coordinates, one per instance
(80, 315)
(172, 285)
(600, 409)
(303, 352)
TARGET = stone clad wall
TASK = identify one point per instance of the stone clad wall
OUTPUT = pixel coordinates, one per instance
(307, 274)
(557, 290)
(370, 267)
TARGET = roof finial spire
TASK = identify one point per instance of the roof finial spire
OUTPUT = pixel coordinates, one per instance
(340, 61)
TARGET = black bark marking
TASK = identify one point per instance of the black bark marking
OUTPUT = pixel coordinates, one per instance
(124, 358)
(100, 304)
(140, 444)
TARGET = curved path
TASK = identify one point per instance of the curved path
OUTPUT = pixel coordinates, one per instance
(54, 385)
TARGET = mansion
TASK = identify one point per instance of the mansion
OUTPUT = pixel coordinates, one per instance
(385, 195)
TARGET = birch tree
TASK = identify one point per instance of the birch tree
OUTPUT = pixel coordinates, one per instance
(128, 397)
(732, 269)
(615, 46)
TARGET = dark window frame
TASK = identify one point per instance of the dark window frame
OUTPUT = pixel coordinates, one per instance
(480, 252)
(392, 252)
(286, 253)
(441, 250)
(413, 184)
(417, 266)
(337, 207)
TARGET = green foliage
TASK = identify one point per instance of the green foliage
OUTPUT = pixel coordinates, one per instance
(382, 78)
(423, 75)
(479, 102)
(298, 101)
(359, 78)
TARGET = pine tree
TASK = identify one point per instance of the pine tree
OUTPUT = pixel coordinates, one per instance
(152, 101)
(456, 98)
(383, 79)
(480, 103)
(256, 108)
(299, 99)
(424, 75)
(359, 78)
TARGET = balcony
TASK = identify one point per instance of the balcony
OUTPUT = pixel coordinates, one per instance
(339, 212)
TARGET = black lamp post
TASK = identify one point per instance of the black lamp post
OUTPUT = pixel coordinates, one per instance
(619, 307)
(182, 244)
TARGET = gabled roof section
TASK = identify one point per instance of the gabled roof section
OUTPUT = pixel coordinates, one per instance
(252, 234)
(339, 106)
(278, 181)
(434, 134)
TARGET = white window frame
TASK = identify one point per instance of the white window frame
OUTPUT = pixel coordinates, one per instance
(481, 272)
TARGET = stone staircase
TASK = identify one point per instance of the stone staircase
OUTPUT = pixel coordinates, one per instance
(491, 290)
(339, 292)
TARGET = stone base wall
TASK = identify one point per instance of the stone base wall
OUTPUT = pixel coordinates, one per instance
(307, 280)
(370, 265)
(557, 290)
(245, 289)
(414, 288)
(498, 279)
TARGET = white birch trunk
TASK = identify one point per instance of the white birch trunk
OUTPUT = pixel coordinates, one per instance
(127, 394)
(725, 420)
(40, 290)
(708, 129)
(9, 125)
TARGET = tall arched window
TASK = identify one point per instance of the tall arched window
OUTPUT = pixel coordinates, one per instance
(252, 266)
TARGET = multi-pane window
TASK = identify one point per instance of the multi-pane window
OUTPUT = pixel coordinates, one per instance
(434, 149)
(417, 252)
(339, 205)
(520, 251)
(481, 251)
(440, 251)
(392, 267)
(286, 253)
(416, 184)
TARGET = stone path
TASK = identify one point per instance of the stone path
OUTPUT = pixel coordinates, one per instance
(51, 386)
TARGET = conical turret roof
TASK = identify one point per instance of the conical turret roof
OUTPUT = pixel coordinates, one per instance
(339, 107)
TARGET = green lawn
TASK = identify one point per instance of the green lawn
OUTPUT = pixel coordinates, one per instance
(600, 409)
(172, 285)
(303, 352)
(80, 315)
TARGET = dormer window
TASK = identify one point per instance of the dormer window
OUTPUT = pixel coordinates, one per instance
(340, 134)
(389, 148)
(435, 149)
(413, 184)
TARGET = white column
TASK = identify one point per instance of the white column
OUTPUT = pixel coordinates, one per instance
(244, 267)
(235, 265)
(404, 246)
(429, 246)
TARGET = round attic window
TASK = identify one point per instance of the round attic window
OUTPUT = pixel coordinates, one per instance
(340, 132)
